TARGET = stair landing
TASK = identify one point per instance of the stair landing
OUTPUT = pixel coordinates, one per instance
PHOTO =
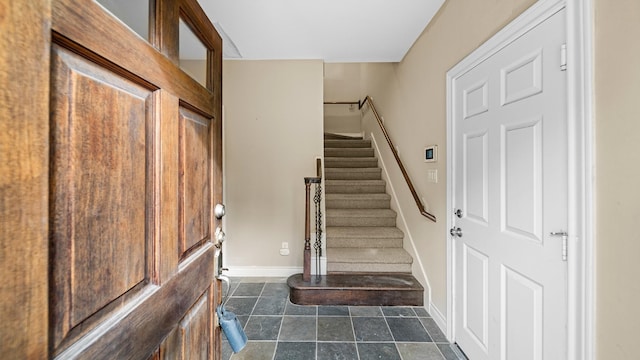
(366, 289)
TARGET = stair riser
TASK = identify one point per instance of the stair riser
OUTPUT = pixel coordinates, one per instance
(351, 163)
(372, 289)
(347, 143)
(358, 297)
(367, 267)
(360, 221)
(357, 204)
(349, 152)
(363, 243)
(352, 175)
(355, 189)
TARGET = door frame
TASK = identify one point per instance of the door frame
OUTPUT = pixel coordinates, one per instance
(581, 274)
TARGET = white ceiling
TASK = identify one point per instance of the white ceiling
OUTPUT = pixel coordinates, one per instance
(330, 30)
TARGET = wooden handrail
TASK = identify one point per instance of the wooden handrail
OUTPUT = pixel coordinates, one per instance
(423, 212)
(343, 103)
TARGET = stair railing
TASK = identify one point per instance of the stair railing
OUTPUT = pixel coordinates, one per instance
(306, 270)
(367, 100)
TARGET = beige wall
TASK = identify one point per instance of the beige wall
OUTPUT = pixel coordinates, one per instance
(341, 83)
(617, 92)
(411, 96)
(272, 134)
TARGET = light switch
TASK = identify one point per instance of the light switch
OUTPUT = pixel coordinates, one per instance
(432, 175)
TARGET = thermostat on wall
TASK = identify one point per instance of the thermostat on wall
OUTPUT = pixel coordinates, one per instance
(431, 153)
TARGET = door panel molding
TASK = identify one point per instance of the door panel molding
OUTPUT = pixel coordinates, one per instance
(177, 294)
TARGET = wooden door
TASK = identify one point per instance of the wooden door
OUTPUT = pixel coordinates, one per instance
(511, 160)
(131, 153)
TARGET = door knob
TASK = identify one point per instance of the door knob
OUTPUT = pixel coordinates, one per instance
(455, 231)
(219, 211)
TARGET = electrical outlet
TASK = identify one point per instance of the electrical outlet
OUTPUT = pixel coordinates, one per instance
(285, 245)
(284, 252)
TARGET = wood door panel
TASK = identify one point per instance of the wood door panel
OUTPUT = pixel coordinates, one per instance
(99, 208)
(136, 330)
(190, 339)
(195, 179)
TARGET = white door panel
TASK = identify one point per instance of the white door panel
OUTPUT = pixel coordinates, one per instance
(510, 171)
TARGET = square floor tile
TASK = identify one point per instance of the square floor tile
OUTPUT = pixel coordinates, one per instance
(276, 289)
(263, 327)
(269, 305)
(293, 309)
(256, 350)
(298, 328)
(398, 311)
(449, 354)
(378, 351)
(248, 289)
(407, 330)
(371, 329)
(295, 350)
(335, 328)
(421, 312)
(419, 351)
(337, 351)
(226, 350)
(434, 331)
(333, 310)
(365, 311)
(241, 305)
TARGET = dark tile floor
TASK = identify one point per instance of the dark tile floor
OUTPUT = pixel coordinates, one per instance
(280, 330)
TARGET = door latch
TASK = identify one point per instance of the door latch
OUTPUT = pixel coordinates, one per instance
(565, 239)
(455, 231)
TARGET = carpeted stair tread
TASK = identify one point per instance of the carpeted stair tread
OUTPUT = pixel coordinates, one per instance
(364, 237)
(357, 201)
(353, 173)
(348, 152)
(364, 232)
(354, 186)
(350, 162)
(369, 255)
(361, 213)
(361, 217)
(328, 136)
(339, 143)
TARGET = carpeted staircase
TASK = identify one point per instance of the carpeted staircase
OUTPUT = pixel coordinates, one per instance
(361, 227)
(366, 264)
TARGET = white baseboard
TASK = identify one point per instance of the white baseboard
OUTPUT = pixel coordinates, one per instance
(262, 271)
(439, 318)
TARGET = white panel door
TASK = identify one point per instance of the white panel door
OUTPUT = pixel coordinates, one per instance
(510, 170)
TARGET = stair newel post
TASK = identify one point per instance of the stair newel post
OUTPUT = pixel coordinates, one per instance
(306, 270)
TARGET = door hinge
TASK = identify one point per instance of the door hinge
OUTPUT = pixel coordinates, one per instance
(563, 57)
(565, 240)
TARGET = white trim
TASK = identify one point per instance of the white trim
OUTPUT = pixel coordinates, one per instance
(581, 319)
(437, 316)
(405, 228)
(581, 164)
(263, 271)
(323, 265)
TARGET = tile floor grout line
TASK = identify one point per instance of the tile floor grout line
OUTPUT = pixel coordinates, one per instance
(353, 330)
